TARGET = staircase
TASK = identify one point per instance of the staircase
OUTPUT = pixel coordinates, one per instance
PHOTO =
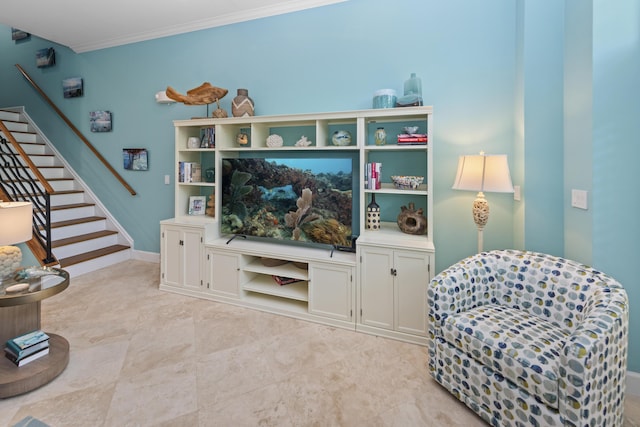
(84, 237)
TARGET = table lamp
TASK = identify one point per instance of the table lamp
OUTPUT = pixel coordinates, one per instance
(15, 227)
(482, 173)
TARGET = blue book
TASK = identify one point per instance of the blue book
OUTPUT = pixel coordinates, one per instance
(26, 352)
(19, 344)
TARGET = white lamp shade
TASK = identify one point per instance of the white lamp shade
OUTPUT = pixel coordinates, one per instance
(15, 222)
(483, 173)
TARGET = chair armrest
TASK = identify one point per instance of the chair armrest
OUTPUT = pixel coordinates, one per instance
(593, 362)
(463, 286)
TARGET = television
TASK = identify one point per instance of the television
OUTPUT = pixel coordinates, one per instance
(293, 200)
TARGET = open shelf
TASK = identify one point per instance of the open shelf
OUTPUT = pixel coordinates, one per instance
(285, 270)
(265, 284)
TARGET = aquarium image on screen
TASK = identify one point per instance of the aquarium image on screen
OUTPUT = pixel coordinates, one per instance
(294, 200)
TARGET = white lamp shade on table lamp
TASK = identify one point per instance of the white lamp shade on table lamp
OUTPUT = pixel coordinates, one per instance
(15, 227)
(483, 173)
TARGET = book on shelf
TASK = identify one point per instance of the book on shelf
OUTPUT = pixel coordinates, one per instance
(17, 355)
(22, 342)
(412, 139)
(282, 280)
(372, 176)
(30, 358)
(189, 172)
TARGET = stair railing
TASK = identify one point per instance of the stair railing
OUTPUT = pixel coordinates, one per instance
(21, 181)
(76, 131)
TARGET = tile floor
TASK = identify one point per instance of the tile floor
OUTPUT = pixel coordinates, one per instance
(143, 357)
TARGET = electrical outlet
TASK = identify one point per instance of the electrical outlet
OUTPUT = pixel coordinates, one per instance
(167, 179)
(516, 193)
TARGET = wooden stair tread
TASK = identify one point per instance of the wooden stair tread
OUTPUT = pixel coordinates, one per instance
(71, 206)
(82, 238)
(76, 259)
(77, 221)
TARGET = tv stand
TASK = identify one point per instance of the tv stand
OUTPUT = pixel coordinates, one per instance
(378, 287)
(243, 274)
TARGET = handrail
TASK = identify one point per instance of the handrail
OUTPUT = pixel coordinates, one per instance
(18, 183)
(25, 158)
(76, 131)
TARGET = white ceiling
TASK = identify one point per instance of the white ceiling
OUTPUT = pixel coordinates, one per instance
(85, 25)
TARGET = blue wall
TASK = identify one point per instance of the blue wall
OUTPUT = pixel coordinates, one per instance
(494, 81)
(326, 59)
(616, 129)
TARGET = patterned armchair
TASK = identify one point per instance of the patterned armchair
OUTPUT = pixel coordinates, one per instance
(528, 339)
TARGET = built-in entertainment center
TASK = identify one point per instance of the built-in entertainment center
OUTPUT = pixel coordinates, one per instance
(271, 214)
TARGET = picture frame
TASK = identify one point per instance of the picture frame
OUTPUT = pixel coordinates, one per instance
(18, 34)
(197, 205)
(100, 121)
(72, 87)
(46, 57)
(135, 159)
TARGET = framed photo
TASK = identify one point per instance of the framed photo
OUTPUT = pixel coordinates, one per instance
(135, 159)
(100, 121)
(72, 87)
(197, 205)
(45, 57)
(17, 34)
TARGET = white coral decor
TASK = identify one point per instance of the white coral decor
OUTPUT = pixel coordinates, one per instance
(274, 141)
(303, 142)
(10, 259)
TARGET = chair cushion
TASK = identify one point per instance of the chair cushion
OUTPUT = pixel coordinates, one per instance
(522, 347)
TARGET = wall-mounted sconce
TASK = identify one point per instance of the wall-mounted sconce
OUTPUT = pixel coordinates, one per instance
(162, 98)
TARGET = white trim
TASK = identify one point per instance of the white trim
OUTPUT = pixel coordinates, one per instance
(146, 256)
(98, 204)
(633, 383)
(280, 8)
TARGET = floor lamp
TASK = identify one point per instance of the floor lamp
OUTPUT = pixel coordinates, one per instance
(15, 227)
(483, 173)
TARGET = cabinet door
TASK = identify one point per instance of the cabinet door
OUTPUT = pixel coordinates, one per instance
(376, 288)
(171, 254)
(192, 255)
(412, 278)
(223, 273)
(330, 291)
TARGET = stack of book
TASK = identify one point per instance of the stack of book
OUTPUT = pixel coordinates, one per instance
(189, 172)
(373, 173)
(27, 348)
(412, 139)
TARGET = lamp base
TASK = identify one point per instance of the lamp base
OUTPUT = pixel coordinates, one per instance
(480, 216)
(10, 259)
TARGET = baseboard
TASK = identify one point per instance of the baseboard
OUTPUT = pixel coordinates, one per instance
(633, 383)
(146, 256)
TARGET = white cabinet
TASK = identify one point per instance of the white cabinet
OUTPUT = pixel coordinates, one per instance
(384, 293)
(223, 273)
(392, 292)
(181, 254)
(331, 291)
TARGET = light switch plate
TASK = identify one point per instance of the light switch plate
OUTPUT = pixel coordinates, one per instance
(516, 193)
(579, 199)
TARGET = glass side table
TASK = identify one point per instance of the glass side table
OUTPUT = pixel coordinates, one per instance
(20, 295)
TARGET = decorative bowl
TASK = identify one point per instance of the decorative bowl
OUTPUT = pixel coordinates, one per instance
(410, 129)
(407, 182)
